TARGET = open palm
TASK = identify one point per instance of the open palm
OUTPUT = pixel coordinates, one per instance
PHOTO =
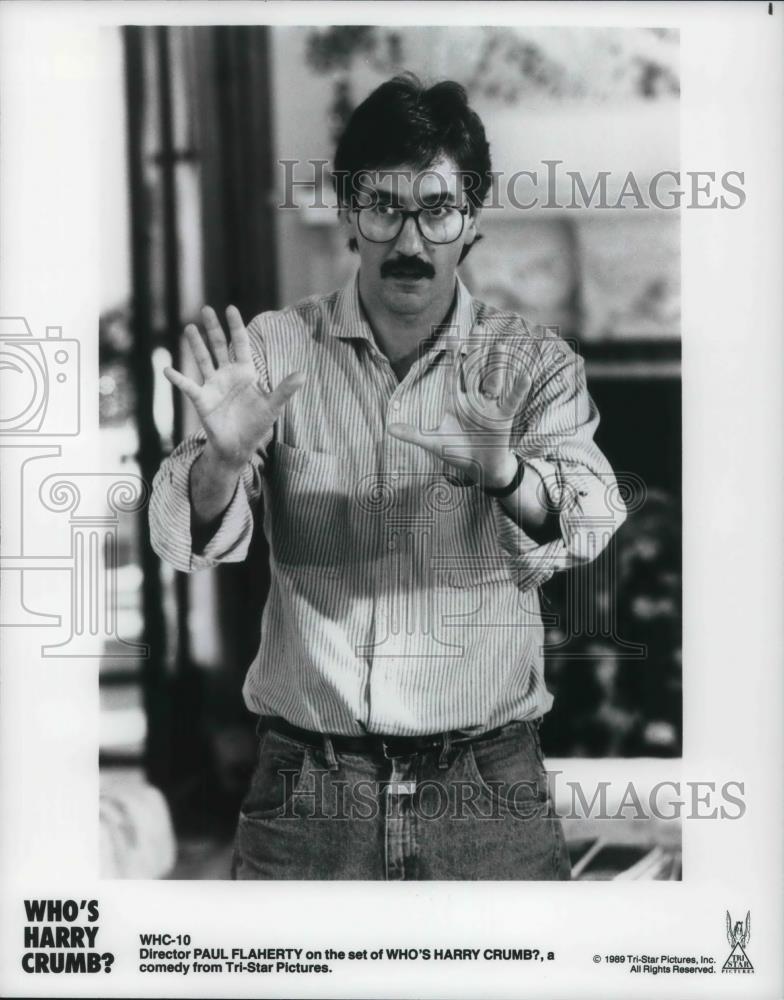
(236, 413)
(474, 433)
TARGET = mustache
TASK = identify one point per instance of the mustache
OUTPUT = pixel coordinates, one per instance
(407, 267)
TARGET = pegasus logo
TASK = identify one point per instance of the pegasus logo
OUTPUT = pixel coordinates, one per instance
(738, 937)
(738, 934)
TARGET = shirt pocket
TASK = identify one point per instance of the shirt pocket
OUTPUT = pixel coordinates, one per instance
(309, 510)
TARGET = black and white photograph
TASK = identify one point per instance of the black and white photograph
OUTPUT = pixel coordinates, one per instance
(415, 512)
(388, 437)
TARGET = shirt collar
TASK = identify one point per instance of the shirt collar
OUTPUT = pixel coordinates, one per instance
(462, 318)
(348, 322)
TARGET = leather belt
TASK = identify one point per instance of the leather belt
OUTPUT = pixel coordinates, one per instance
(376, 744)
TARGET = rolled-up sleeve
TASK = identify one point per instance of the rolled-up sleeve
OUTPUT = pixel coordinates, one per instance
(170, 504)
(554, 435)
(170, 512)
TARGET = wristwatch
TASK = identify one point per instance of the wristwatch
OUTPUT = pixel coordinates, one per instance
(499, 492)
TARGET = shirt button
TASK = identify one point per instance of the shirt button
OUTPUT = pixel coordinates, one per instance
(396, 405)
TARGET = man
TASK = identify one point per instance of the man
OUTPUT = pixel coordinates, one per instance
(424, 462)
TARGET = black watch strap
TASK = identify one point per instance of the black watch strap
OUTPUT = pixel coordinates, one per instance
(498, 493)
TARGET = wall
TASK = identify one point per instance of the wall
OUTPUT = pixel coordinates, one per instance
(587, 98)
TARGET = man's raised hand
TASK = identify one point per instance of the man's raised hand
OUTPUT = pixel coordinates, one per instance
(235, 411)
(475, 431)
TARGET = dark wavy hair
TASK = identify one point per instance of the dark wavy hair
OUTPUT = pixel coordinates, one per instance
(405, 123)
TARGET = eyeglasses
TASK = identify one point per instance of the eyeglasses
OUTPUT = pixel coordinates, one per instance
(439, 224)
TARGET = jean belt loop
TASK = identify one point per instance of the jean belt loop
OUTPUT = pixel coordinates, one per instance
(443, 757)
(329, 753)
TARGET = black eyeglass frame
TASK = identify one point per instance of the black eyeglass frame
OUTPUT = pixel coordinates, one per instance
(405, 214)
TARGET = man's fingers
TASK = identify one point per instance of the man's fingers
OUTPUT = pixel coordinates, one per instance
(199, 350)
(516, 395)
(479, 379)
(216, 336)
(285, 389)
(239, 335)
(478, 339)
(493, 379)
(185, 385)
(406, 432)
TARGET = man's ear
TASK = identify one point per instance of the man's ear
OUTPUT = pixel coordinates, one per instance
(346, 219)
(348, 223)
(472, 225)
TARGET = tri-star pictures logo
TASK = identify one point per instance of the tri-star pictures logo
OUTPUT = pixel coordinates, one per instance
(738, 937)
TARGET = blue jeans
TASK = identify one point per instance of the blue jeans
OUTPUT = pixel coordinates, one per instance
(469, 810)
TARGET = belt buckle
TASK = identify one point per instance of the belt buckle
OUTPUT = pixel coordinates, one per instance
(429, 745)
(388, 748)
(386, 751)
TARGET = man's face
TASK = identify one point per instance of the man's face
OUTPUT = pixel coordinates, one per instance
(411, 271)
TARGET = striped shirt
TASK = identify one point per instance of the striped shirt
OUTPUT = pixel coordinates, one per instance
(403, 600)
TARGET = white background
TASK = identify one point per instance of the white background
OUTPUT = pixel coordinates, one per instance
(50, 154)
